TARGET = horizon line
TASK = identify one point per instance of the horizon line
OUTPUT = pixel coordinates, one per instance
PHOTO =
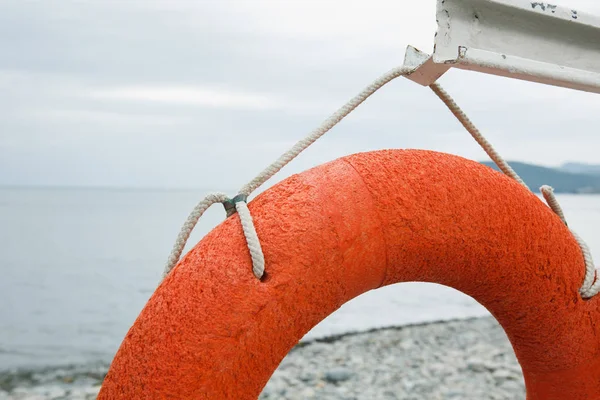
(198, 188)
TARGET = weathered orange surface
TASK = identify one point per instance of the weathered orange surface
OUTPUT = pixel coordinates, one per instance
(213, 331)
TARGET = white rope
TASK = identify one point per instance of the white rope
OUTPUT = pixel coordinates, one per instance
(188, 227)
(329, 123)
(590, 286)
(548, 193)
(477, 135)
(258, 259)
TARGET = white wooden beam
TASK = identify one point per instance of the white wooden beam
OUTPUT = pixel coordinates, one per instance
(528, 40)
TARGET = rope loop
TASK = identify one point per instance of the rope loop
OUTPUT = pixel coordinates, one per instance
(548, 193)
(238, 203)
(591, 285)
(188, 226)
(589, 288)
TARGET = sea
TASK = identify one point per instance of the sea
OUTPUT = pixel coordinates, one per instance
(78, 265)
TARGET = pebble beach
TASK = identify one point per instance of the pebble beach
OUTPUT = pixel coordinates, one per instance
(463, 359)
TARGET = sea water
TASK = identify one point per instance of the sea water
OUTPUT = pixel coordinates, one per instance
(78, 265)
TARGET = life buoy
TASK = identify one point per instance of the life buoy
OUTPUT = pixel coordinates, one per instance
(213, 331)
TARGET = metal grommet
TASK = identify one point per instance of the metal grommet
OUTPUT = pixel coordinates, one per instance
(229, 204)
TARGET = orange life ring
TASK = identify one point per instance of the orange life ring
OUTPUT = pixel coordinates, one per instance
(213, 331)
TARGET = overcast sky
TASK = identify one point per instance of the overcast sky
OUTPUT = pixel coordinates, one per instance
(206, 93)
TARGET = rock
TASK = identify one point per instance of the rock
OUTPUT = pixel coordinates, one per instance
(408, 385)
(54, 392)
(501, 375)
(308, 393)
(77, 394)
(91, 392)
(338, 374)
(455, 360)
(407, 344)
(308, 376)
(453, 394)
(477, 365)
(391, 395)
(24, 394)
(438, 369)
(21, 393)
(513, 386)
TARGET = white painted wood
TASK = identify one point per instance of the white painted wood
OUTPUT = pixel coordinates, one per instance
(521, 39)
(425, 71)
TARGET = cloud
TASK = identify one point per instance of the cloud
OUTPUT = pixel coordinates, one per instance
(150, 93)
(109, 119)
(197, 96)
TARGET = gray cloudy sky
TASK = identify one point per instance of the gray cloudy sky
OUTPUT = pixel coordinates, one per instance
(205, 93)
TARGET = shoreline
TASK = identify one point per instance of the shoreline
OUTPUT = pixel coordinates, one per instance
(330, 339)
(458, 359)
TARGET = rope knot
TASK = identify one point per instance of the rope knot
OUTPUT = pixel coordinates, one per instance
(238, 203)
(229, 204)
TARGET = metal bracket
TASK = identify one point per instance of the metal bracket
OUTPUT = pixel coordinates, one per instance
(532, 41)
(424, 70)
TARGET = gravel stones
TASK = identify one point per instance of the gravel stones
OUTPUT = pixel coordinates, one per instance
(461, 360)
(338, 374)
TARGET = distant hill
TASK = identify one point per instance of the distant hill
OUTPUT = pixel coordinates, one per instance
(580, 168)
(562, 181)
